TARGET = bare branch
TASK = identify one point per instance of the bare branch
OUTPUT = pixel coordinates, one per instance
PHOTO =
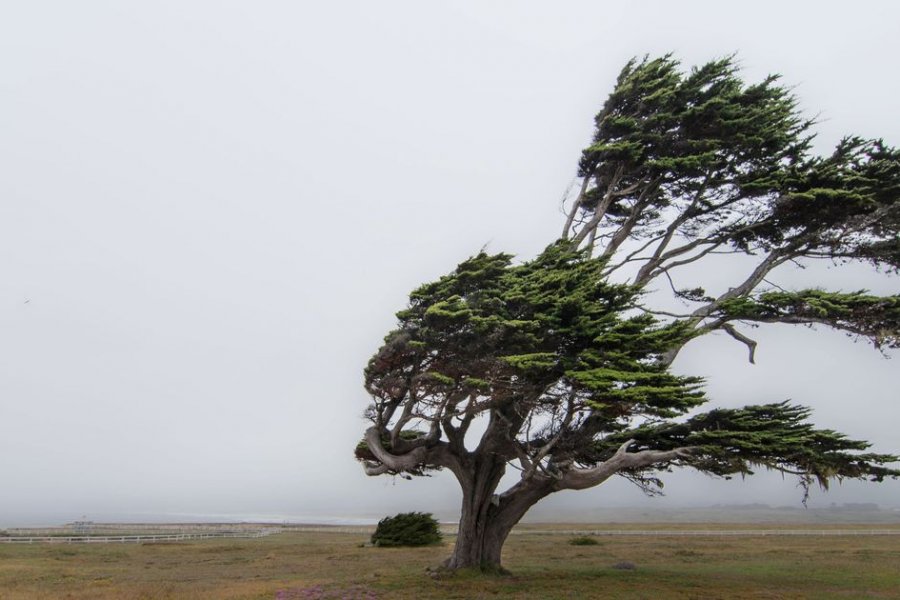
(661, 312)
(672, 265)
(575, 206)
(405, 417)
(657, 259)
(621, 235)
(687, 248)
(751, 344)
(773, 259)
(403, 462)
(580, 479)
(563, 429)
(600, 211)
(631, 257)
(373, 469)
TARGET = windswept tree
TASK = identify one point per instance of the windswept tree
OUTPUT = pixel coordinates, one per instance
(550, 368)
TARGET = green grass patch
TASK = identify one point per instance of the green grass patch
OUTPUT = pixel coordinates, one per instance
(541, 565)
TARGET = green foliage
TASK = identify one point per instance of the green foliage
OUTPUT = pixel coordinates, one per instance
(407, 529)
(555, 324)
(567, 367)
(667, 135)
(516, 328)
(774, 436)
(874, 317)
(583, 540)
(844, 206)
(725, 161)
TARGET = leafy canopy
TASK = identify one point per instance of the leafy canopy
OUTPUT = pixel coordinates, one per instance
(576, 370)
(569, 372)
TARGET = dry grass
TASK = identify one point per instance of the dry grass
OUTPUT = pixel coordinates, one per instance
(333, 565)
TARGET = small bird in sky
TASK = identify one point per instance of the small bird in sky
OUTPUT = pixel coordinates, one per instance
(28, 300)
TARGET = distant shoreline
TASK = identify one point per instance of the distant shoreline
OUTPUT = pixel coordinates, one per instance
(855, 513)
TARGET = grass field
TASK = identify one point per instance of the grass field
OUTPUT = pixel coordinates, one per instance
(310, 565)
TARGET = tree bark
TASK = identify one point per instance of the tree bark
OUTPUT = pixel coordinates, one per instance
(486, 519)
(475, 548)
(478, 544)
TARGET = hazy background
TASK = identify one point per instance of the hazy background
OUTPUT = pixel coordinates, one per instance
(210, 211)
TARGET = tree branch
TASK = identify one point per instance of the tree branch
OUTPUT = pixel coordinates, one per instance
(580, 479)
(631, 257)
(575, 206)
(685, 215)
(663, 268)
(751, 344)
(410, 461)
(621, 235)
(563, 427)
(600, 211)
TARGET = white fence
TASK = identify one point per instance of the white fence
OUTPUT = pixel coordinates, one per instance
(450, 529)
(446, 530)
(134, 539)
(708, 532)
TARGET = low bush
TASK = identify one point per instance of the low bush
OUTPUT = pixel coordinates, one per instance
(407, 529)
(584, 541)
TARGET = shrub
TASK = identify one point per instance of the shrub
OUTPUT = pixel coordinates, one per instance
(583, 541)
(407, 529)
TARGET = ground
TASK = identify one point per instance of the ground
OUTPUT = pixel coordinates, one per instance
(310, 565)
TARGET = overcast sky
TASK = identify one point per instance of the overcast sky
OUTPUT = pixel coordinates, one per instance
(210, 211)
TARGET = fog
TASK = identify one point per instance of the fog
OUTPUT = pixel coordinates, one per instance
(210, 211)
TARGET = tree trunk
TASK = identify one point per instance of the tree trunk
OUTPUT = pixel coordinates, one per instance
(473, 545)
(486, 520)
(479, 540)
